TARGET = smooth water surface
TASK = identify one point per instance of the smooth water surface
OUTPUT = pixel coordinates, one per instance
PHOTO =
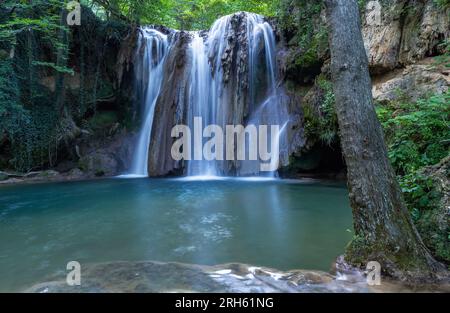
(277, 223)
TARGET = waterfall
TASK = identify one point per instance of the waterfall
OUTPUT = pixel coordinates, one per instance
(200, 105)
(213, 101)
(226, 76)
(266, 110)
(151, 51)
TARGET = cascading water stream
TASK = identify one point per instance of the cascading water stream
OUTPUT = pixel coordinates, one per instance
(266, 110)
(212, 101)
(154, 46)
(200, 105)
(227, 84)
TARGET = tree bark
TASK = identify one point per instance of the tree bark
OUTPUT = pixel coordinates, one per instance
(384, 230)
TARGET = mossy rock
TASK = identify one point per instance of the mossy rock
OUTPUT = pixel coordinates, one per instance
(48, 173)
(99, 173)
(102, 120)
(3, 176)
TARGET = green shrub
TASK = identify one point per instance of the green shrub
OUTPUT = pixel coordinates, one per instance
(417, 135)
(419, 193)
(428, 213)
(444, 4)
(304, 28)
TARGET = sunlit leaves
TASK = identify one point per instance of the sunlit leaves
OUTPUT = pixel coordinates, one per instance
(181, 14)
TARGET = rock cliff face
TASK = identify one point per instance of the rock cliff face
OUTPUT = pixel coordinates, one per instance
(398, 35)
(108, 156)
(226, 76)
(87, 136)
(401, 38)
(414, 81)
(400, 32)
(170, 106)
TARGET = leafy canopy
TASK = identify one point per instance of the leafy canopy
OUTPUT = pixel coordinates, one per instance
(178, 14)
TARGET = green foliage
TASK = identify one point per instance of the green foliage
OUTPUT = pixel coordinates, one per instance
(179, 14)
(444, 58)
(200, 14)
(34, 51)
(302, 23)
(354, 248)
(362, 4)
(419, 193)
(320, 122)
(57, 68)
(423, 200)
(444, 4)
(101, 123)
(417, 135)
(132, 11)
(12, 114)
(43, 18)
(32, 46)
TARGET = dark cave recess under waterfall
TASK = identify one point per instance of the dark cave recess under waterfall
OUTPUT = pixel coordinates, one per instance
(227, 76)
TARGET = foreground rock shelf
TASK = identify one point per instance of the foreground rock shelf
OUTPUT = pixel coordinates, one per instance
(233, 277)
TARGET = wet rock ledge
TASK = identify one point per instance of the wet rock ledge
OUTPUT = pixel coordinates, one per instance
(153, 276)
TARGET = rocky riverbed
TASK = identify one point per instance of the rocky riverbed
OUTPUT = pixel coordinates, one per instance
(150, 276)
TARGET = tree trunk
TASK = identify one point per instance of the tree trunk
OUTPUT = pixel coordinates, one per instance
(384, 231)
